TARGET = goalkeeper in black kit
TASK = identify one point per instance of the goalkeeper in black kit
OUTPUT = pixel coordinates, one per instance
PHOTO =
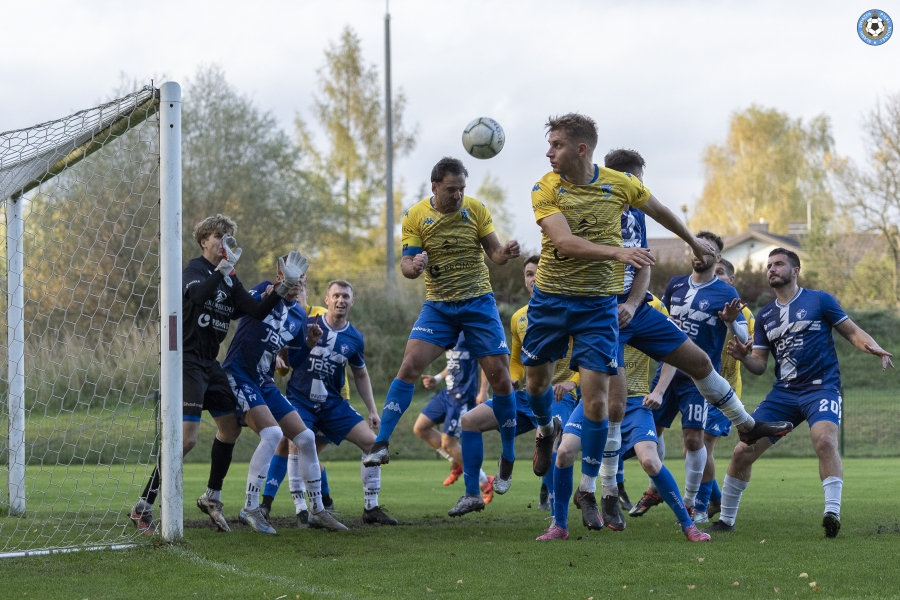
(213, 296)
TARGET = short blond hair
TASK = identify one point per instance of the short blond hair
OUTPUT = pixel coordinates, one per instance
(212, 225)
(576, 127)
(340, 283)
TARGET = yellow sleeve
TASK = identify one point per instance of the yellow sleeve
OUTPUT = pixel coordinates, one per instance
(485, 220)
(543, 200)
(345, 389)
(516, 369)
(751, 321)
(410, 235)
(635, 192)
(575, 378)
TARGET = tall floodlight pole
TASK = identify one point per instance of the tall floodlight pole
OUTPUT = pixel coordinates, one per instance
(389, 150)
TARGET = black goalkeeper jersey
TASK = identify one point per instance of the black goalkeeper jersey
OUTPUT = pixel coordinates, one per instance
(210, 302)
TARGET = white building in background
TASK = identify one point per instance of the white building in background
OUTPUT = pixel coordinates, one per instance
(755, 244)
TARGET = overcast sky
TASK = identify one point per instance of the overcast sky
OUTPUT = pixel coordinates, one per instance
(661, 77)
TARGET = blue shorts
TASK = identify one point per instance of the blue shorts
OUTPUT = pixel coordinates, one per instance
(716, 422)
(445, 408)
(651, 332)
(249, 395)
(797, 406)
(638, 426)
(331, 420)
(683, 397)
(439, 323)
(592, 322)
(525, 419)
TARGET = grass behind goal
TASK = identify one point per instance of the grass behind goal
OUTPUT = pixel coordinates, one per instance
(493, 554)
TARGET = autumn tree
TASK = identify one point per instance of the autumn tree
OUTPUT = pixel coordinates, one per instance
(493, 196)
(769, 167)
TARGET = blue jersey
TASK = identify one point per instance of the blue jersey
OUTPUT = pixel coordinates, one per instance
(695, 309)
(319, 375)
(256, 343)
(798, 335)
(462, 372)
(634, 235)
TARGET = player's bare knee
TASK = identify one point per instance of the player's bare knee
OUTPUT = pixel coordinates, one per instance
(449, 443)
(693, 439)
(566, 455)
(650, 463)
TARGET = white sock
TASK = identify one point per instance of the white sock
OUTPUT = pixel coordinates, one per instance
(609, 465)
(371, 480)
(259, 464)
(718, 392)
(732, 488)
(694, 463)
(588, 483)
(309, 468)
(482, 477)
(214, 494)
(661, 452)
(445, 454)
(295, 480)
(833, 487)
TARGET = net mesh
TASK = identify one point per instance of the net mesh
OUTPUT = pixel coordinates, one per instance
(88, 188)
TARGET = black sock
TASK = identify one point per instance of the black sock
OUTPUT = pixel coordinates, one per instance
(152, 489)
(267, 501)
(220, 456)
(326, 500)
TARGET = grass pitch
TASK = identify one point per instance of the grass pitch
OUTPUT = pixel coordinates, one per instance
(778, 550)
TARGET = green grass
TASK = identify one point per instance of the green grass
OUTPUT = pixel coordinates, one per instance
(492, 554)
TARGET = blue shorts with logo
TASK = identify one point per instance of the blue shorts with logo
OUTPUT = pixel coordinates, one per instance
(651, 332)
(716, 422)
(684, 397)
(446, 408)
(331, 420)
(525, 419)
(250, 394)
(439, 323)
(797, 406)
(592, 322)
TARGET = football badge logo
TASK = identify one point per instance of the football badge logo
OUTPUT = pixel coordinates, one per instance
(875, 27)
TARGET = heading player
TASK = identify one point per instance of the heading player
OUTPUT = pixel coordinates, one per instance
(212, 297)
(796, 329)
(446, 237)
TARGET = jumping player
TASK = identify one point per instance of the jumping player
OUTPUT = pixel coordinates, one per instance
(796, 329)
(213, 296)
(446, 237)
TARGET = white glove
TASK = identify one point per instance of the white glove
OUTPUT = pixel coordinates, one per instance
(230, 255)
(292, 270)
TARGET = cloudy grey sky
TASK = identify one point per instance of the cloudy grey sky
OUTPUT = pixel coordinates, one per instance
(661, 77)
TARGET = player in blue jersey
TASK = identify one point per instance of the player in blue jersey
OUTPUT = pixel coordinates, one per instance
(446, 237)
(250, 364)
(212, 297)
(650, 332)
(315, 391)
(796, 328)
(449, 405)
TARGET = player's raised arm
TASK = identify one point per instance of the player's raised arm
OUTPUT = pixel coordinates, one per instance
(863, 341)
(499, 254)
(569, 245)
(660, 213)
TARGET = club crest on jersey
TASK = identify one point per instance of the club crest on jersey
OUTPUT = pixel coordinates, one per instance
(345, 349)
(801, 313)
(291, 327)
(704, 304)
(228, 281)
(465, 214)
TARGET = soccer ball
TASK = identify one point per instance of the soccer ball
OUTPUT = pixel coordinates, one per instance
(875, 26)
(483, 138)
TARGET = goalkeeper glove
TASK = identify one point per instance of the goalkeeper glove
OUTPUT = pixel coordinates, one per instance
(230, 255)
(292, 270)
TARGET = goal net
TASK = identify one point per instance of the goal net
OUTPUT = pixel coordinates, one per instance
(81, 331)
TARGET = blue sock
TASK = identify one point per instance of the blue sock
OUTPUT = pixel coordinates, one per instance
(620, 474)
(277, 471)
(473, 456)
(547, 480)
(398, 399)
(326, 491)
(562, 493)
(671, 493)
(505, 412)
(593, 442)
(701, 502)
(540, 405)
(716, 495)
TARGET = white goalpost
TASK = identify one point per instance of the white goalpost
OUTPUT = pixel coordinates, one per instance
(93, 344)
